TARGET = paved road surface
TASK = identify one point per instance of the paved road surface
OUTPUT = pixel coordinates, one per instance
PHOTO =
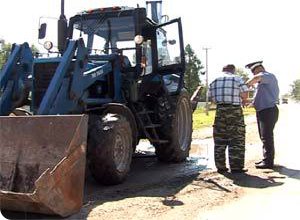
(283, 200)
(155, 190)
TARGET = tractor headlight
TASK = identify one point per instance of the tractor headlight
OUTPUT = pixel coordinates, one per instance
(48, 45)
(139, 39)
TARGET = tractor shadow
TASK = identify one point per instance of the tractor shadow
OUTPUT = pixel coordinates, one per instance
(148, 178)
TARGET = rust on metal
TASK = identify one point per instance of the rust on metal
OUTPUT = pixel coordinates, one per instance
(42, 163)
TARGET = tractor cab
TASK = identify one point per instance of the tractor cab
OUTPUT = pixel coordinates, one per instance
(107, 30)
(144, 45)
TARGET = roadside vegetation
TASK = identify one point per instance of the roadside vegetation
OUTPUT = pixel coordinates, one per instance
(200, 119)
(295, 93)
(5, 49)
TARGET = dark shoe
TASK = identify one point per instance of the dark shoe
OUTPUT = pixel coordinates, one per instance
(222, 170)
(264, 166)
(259, 162)
(238, 170)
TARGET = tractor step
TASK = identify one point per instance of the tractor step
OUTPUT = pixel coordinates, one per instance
(148, 126)
(160, 141)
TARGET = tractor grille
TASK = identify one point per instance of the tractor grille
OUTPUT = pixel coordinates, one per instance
(43, 73)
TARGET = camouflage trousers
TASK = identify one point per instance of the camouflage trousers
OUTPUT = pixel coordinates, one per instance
(229, 130)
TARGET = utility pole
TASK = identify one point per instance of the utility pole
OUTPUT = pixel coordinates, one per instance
(206, 73)
(1, 43)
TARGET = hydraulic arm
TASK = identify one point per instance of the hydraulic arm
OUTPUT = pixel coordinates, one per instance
(15, 79)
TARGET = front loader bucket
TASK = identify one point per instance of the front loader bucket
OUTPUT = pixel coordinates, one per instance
(42, 163)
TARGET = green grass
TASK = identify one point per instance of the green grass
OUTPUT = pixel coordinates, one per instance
(200, 119)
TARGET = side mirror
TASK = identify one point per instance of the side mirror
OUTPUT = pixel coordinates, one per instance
(42, 31)
(172, 42)
(165, 42)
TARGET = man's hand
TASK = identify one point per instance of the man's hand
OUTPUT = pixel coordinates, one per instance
(244, 97)
(247, 103)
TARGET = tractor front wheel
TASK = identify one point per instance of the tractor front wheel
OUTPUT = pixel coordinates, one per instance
(109, 148)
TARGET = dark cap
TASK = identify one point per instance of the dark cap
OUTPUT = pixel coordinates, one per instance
(253, 65)
(229, 68)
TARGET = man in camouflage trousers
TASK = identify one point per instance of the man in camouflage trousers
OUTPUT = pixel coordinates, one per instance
(229, 92)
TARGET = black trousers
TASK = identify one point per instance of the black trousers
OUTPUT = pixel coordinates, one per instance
(266, 120)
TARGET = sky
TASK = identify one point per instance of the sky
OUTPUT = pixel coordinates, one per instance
(236, 31)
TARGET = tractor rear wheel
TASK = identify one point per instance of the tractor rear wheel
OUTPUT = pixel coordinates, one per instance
(177, 129)
(109, 148)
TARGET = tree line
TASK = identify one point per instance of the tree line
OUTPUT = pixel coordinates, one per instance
(4, 52)
(194, 69)
(295, 93)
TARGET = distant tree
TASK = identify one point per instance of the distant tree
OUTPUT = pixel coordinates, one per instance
(193, 69)
(5, 49)
(4, 52)
(34, 49)
(295, 93)
(245, 76)
(240, 72)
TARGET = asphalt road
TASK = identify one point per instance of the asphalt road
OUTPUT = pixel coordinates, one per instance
(281, 198)
(193, 190)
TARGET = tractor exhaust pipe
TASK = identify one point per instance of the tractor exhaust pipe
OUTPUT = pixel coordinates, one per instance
(62, 28)
(156, 10)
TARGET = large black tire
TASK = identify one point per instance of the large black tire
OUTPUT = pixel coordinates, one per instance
(109, 148)
(177, 129)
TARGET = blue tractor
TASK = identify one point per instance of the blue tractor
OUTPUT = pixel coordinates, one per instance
(115, 78)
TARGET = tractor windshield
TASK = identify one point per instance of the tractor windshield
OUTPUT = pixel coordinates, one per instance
(106, 35)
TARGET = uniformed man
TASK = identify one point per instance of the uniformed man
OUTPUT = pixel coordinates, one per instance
(265, 100)
(230, 93)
